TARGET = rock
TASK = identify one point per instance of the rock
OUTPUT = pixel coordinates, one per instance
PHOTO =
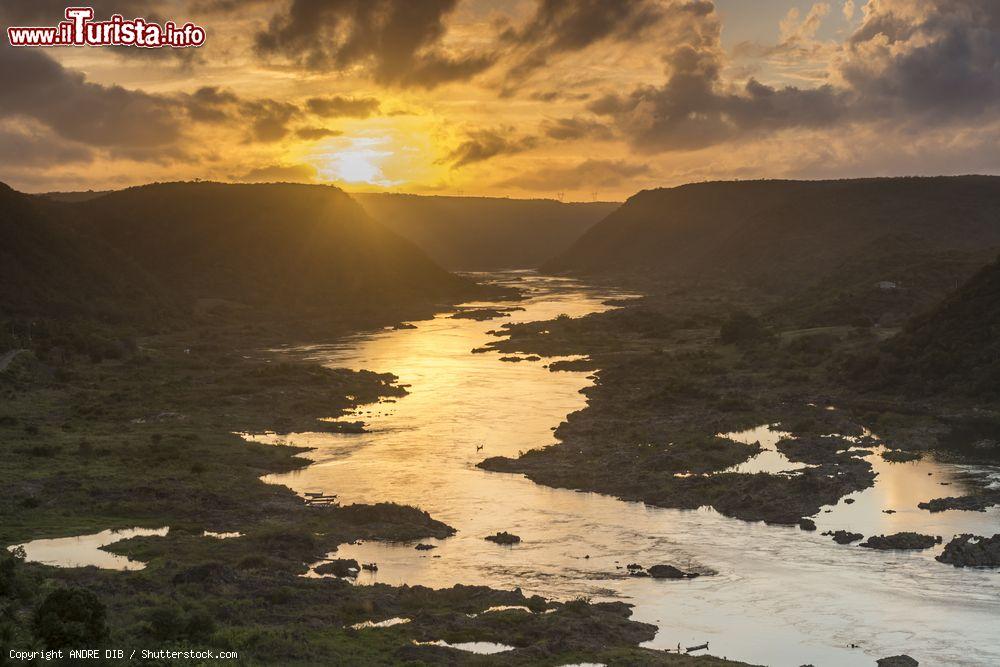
(480, 350)
(638, 573)
(504, 538)
(807, 524)
(899, 456)
(848, 501)
(897, 661)
(341, 567)
(669, 572)
(404, 325)
(844, 536)
(425, 547)
(511, 359)
(907, 540)
(482, 314)
(888, 511)
(972, 551)
(974, 503)
(634, 566)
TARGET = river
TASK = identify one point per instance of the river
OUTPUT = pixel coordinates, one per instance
(781, 596)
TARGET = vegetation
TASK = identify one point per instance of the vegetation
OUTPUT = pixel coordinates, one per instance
(954, 348)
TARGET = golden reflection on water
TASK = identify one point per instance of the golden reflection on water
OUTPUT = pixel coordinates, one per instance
(780, 596)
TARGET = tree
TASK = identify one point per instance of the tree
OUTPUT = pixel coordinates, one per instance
(71, 617)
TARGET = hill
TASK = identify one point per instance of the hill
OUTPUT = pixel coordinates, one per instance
(952, 350)
(485, 233)
(846, 249)
(49, 267)
(284, 248)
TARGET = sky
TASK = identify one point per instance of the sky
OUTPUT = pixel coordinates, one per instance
(573, 99)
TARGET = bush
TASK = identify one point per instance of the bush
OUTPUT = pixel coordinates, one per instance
(70, 617)
(741, 327)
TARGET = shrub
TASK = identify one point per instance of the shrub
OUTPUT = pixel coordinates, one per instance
(70, 617)
(741, 327)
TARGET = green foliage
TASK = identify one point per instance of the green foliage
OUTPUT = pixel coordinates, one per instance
(70, 617)
(171, 622)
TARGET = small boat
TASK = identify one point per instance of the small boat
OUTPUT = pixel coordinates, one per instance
(700, 647)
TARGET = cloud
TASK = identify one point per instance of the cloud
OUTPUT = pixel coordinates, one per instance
(266, 119)
(211, 104)
(39, 149)
(918, 61)
(397, 41)
(693, 110)
(567, 26)
(295, 173)
(585, 175)
(37, 87)
(564, 129)
(938, 60)
(483, 145)
(337, 106)
(269, 119)
(848, 10)
(314, 133)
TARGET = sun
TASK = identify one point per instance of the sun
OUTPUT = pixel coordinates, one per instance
(356, 160)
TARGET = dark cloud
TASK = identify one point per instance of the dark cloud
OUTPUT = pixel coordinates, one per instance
(564, 129)
(917, 62)
(314, 133)
(485, 144)
(268, 119)
(398, 40)
(566, 26)
(37, 87)
(586, 175)
(211, 104)
(553, 95)
(295, 173)
(337, 106)
(940, 60)
(34, 150)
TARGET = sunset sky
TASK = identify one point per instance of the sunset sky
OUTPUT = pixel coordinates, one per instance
(527, 98)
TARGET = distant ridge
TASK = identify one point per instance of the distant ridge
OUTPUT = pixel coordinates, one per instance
(793, 236)
(485, 233)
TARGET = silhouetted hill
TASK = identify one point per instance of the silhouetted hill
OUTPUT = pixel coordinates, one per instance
(485, 233)
(286, 248)
(49, 267)
(279, 244)
(954, 349)
(840, 250)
